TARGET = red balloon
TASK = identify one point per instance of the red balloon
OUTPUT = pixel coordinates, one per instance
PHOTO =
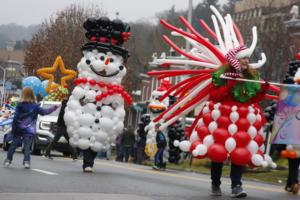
(259, 139)
(223, 122)
(221, 135)
(258, 124)
(243, 124)
(225, 109)
(194, 145)
(207, 118)
(240, 156)
(298, 56)
(242, 138)
(211, 105)
(217, 153)
(202, 132)
(243, 111)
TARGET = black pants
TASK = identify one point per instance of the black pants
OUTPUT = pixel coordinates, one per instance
(126, 152)
(236, 173)
(293, 171)
(61, 132)
(88, 158)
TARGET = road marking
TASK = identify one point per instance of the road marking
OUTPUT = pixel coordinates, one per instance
(44, 172)
(278, 190)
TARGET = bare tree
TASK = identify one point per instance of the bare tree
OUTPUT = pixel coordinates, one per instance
(62, 35)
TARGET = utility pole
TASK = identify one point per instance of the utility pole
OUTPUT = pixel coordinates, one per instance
(190, 11)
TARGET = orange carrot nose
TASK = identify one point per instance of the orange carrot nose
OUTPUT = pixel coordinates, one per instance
(106, 61)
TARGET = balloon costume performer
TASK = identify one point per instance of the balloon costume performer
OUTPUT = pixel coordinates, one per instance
(95, 111)
(230, 123)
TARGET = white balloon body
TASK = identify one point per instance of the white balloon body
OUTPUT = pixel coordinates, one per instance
(90, 123)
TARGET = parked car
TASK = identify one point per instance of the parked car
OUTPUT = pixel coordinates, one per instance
(46, 128)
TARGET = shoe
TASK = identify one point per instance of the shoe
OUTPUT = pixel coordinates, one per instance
(155, 167)
(216, 190)
(49, 157)
(288, 188)
(238, 192)
(88, 169)
(295, 188)
(75, 159)
(7, 163)
(26, 165)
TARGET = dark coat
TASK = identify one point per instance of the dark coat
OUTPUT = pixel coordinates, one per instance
(161, 140)
(25, 117)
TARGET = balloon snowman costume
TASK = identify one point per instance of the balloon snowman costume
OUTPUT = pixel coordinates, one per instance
(156, 107)
(95, 111)
(230, 123)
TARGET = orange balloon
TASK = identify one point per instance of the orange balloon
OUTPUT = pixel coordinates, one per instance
(284, 154)
(292, 154)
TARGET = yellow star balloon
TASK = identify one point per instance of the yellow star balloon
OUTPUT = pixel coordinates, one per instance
(47, 73)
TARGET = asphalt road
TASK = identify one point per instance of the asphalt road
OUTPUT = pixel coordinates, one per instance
(62, 178)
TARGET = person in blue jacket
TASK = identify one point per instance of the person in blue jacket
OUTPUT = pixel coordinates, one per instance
(24, 125)
(161, 142)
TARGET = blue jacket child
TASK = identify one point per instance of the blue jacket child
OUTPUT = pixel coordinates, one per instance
(24, 125)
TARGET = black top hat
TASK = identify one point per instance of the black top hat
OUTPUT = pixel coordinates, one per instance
(106, 35)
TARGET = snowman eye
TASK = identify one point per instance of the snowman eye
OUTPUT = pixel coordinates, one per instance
(102, 58)
(111, 60)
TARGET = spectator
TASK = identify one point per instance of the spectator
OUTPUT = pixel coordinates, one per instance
(119, 152)
(161, 145)
(24, 125)
(127, 143)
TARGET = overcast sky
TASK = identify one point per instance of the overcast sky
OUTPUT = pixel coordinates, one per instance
(26, 12)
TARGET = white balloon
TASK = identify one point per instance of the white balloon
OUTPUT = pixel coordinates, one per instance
(91, 95)
(208, 140)
(258, 117)
(251, 117)
(78, 93)
(97, 146)
(212, 126)
(234, 116)
(205, 110)
(84, 132)
(257, 160)
(89, 108)
(202, 149)
(119, 127)
(73, 105)
(86, 120)
(251, 109)
(120, 112)
(69, 117)
(232, 129)
(194, 136)
(195, 153)
(234, 108)
(101, 136)
(83, 144)
(264, 164)
(175, 143)
(289, 147)
(230, 144)
(268, 159)
(185, 145)
(106, 123)
(200, 122)
(252, 147)
(274, 165)
(215, 114)
(252, 131)
(107, 111)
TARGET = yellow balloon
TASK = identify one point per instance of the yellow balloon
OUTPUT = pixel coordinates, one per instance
(151, 150)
